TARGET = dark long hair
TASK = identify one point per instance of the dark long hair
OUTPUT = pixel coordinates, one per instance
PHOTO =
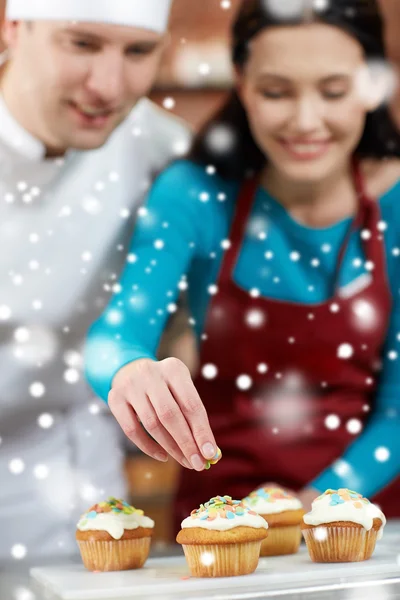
(359, 18)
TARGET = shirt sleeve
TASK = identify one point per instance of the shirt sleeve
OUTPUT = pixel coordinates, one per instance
(167, 235)
(373, 460)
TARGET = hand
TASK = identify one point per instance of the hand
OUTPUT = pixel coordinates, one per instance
(161, 397)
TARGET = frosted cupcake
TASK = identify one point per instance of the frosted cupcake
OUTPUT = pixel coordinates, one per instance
(283, 513)
(114, 536)
(342, 527)
(222, 538)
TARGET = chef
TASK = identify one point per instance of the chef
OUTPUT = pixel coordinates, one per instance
(79, 145)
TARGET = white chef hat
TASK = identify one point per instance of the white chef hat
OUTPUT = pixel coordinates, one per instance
(146, 14)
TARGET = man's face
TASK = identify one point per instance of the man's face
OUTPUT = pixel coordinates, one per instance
(71, 84)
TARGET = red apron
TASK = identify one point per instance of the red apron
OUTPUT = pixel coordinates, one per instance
(283, 368)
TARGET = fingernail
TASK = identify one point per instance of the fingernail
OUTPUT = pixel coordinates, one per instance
(160, 456)
(197, 462)
(208, 450)
(186, 463)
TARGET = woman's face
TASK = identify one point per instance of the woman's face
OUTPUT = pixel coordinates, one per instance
(301, 88)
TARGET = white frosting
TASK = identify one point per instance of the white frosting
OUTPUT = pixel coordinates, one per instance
(322, 512)
(114, 523)
(262, 507)
(223, 524)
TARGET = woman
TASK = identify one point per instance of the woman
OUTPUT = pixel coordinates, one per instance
(286, 221)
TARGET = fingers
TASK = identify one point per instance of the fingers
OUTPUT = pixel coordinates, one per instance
(188, 400)
(127, 419)
(168, 423)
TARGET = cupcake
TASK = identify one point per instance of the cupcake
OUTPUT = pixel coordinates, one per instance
(283, 513)
(222, 538)
(342, 526)
(114, 536)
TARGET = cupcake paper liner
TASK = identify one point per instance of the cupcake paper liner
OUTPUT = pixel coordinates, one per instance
(224, 560)
(118, 555)
(281, 540)
(340, 544)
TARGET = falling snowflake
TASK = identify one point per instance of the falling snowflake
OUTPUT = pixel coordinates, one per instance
(332, 422)
(71, 375)
(334, 307)
(212, 289)
(207, 558)
(16, 466)
(354, 426)
(225, 4)
(169, 103)
(382, 454)
(159, 244)
(37, 389)
(255, 318)
(18, 551)
(209, 371)
(244, 382)
(345, 351)
(320, 534)
(5, 312)
(341, 468)
(295, 256)
(220, 139)
(45, 420)
(262, 368)
(41, 471)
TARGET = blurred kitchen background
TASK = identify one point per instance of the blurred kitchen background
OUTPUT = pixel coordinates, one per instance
(192, 84)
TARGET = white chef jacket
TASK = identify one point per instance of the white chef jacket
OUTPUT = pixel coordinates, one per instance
(64, 228)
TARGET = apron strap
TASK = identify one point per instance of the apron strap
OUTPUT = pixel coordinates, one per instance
(367, 218)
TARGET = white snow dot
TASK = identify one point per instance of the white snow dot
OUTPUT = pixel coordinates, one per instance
(204, 197)
(113, 176)
(16, 466)
(169, 103)
(244, 382)
(21, 335)
(295, 256)
(18, 551)
(262, 368)
(226, 244)
(23, 593)
(94, 408)
(172, 307)
(382, 226)
(392, 355)
(33, 238)
(86, 256)
(365, 234)
(207, 558)
(382, 454)
(183, 285)
(320, 534)
(124, 213)
(369, 265)
(396, 251)
(5, 312)
(255, 318)
(41, 471)
(71, 375)
(37, 304)
(341, 468)
(114, 317)
(159, 244)
(357, 262)
(225, 4)
(37, 389)
(209, 371)
(131, 258)
(354, 426)
(211, 170)
(204, 69)
(221, 197)
(254, 292)
(212, 289)
(269, 255)
(315, 262)
(326, 248)
(334, 307)
(45, 420)
(345, 351)
(332, 422)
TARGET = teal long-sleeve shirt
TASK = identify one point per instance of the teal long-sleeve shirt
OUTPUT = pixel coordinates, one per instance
(178, 244)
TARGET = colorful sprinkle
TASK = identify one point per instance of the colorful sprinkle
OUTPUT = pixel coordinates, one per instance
(112, 505)
(214, 460)
(223, 507)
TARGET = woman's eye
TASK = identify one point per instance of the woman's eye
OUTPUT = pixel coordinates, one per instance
(274, 94)
(334, 94)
